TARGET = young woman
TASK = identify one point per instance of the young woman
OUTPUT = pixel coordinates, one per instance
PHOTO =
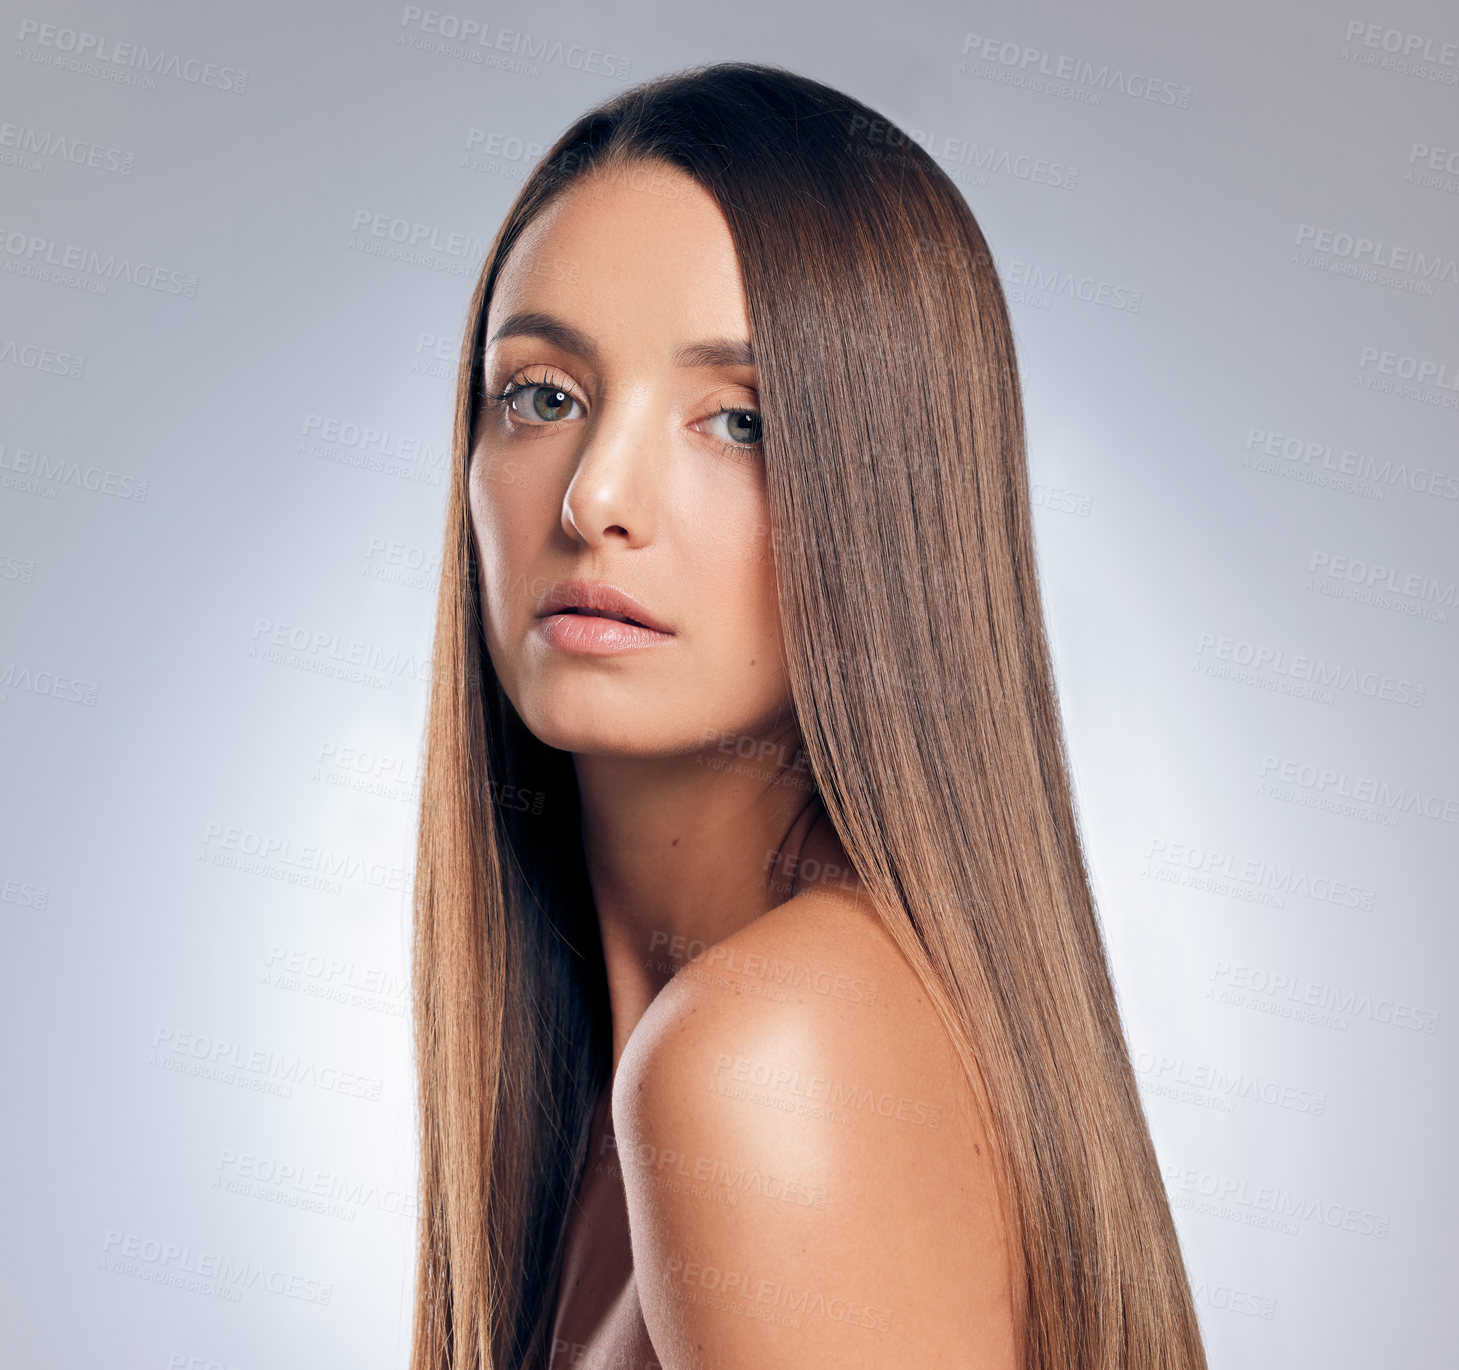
(762, 1012)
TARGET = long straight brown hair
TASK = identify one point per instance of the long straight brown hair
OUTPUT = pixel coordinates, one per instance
(893, 442)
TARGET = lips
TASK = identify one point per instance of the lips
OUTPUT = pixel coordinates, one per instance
(598, 599)
(604, 613)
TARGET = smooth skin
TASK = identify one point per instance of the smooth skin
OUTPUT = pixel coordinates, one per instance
(787, 1172)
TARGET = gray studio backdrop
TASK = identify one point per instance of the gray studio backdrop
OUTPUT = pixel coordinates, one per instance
(237, 244)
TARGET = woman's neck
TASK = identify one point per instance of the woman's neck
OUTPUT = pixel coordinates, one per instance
(684, 851)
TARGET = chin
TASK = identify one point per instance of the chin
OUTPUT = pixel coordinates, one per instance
(600, 722)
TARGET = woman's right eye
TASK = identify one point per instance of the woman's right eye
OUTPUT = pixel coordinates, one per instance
(538, 402)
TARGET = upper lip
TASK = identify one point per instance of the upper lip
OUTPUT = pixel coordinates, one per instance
(599, 597)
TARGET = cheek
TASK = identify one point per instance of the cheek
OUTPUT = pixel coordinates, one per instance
(508, 520)
(737, 576)
(499, 559)
(486, 511)
(760, 595)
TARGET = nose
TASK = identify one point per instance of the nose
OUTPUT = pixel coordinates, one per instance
(615, 489)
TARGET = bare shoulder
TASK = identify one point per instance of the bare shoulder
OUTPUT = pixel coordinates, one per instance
(806, 1185)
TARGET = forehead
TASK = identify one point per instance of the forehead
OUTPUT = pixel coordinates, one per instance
(642, 244)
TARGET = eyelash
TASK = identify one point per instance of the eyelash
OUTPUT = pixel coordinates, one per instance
(521, 381)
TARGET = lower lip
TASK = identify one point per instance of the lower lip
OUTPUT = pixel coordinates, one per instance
(589, 635)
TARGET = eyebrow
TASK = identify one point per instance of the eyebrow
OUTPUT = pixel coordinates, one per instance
(711, 352)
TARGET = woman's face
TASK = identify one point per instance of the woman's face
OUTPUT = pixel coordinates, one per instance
(618, 322)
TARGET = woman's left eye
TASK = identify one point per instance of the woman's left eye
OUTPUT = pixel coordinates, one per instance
(742, 426)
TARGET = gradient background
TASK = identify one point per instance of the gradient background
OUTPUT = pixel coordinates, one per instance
(1229, 238)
